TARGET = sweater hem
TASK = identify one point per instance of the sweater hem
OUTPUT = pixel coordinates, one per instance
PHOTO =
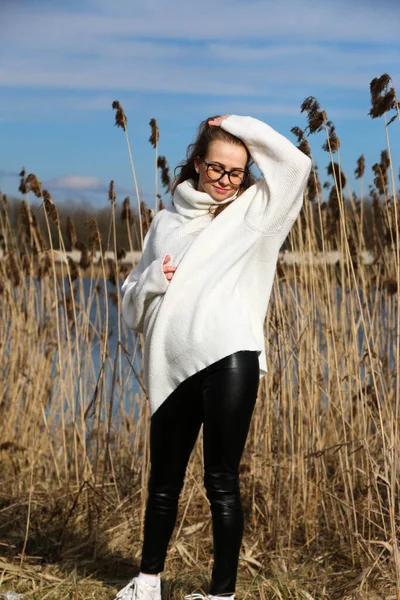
(211, 349)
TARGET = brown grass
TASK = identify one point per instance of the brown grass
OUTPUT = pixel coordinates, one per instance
(320, 481)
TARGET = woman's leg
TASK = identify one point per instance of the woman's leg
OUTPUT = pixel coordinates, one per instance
(173, 432)
(229, 389)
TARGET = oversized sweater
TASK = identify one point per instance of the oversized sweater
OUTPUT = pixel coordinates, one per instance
(216, 302)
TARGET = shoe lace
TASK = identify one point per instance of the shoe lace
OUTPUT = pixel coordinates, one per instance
(196, 596)
(131, 585)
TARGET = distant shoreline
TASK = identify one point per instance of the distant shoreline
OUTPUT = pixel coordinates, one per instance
(132, 258)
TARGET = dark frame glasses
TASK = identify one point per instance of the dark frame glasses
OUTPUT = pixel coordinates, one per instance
(241, 173)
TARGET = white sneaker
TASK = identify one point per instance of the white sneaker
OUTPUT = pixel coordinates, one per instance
(138, 589)
(197, 596)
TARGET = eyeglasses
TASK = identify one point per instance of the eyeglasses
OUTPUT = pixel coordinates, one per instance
(216, 172)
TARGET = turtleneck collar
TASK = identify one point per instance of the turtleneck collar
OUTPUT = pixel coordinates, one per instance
(189, 202)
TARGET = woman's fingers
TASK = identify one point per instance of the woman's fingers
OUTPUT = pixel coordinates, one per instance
(217, 122)
(169, 270)
(169, 274)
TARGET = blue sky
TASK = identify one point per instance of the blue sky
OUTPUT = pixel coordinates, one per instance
(63, 63)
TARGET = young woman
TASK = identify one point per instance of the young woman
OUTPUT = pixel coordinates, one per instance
(199, 295)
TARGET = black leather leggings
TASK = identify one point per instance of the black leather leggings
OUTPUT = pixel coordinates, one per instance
(221, 397)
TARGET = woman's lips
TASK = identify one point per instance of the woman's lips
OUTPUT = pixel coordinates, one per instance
(220, 190)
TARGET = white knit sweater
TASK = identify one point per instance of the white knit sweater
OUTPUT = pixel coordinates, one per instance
(217, 299)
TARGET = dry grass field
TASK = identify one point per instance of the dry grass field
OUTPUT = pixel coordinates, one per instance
(320, 476)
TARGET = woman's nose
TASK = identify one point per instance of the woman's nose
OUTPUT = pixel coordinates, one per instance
(224, 179)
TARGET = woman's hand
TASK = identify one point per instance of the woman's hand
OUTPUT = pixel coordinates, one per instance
(169, 271)
(217, 122)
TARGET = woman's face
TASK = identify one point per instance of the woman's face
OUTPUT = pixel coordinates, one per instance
(226, 155)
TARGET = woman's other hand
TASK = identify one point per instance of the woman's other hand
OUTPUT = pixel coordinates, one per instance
(217, 122)
(168, 270)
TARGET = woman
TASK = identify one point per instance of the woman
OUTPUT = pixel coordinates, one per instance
(199, 295)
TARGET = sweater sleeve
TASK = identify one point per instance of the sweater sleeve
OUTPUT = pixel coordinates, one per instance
(143, 283)
(284, 167)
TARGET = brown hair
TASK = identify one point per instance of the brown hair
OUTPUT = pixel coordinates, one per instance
(205, 135)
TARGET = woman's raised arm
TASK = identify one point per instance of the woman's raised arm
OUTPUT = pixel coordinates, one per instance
(284, 167)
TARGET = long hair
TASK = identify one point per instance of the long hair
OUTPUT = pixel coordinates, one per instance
(205, 135)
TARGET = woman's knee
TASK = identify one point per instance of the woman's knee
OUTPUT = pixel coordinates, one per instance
(222, 487)
(165, 491)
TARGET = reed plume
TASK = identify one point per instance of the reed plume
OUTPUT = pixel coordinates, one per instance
(332, 144)
(71, 233)
(380, 171)
(155, 133)
(336, 172)
(84, 261)
(44, 266)
(26, 265)
(73, 269)
(314, 187)
(165, 178)
(38, 235)
(360, 169)
(112, 271)
(302, 141)
(126, 212)
(111, 192)
(298, 132)
(33, 237)
(121, 121)
(391, 286)
(316, 118)
(120, 116)
(128, 218)
(121, 253)
(153, 139)
(32, 184)
(146, 217)
(94, 239)
(26, 223)
(22, 184)
(383, 97)
(50, 207)
(333, 204)
(12, 270)
(161, 204)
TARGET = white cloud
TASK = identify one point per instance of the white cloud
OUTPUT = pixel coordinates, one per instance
(76, 182)
(331, 20)
(223, 70)
(82, 184)
(258, 51)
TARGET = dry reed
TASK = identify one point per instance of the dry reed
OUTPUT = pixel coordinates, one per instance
(320, 478)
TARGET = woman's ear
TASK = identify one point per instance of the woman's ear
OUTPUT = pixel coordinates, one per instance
(196, 163)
